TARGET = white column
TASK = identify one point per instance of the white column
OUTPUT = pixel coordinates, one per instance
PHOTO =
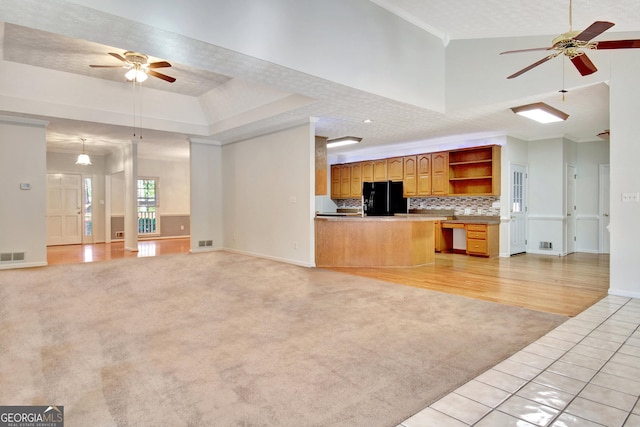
(130, 161)
(624, 96)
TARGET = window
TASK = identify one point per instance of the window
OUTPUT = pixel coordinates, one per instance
(147, 205)
(87, 200)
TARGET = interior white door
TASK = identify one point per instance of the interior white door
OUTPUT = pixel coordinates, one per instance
(64, 209)
(518, 208)
(604, 209)
(571, 209)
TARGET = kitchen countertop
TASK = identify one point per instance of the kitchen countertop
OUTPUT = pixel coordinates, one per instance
(396, 218)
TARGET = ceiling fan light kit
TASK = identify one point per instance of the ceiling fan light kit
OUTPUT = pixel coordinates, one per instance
(541, 112)
(346, 140)
(139, 69)
(573, 45)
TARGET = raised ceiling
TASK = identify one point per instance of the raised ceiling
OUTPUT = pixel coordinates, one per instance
(269, 96)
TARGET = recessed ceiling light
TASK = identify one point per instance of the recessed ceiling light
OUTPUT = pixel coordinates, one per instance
(347, 140)
(540, 112)
(367, 121)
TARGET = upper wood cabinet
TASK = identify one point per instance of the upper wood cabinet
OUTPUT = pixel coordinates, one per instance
(410, 179)
(465, 172)
(367, 171)
(423, 164)
(356, 180)
(395, 169)
(475, 171)
(440, 174)
(335, 181)
(345, 181)
(380, 170)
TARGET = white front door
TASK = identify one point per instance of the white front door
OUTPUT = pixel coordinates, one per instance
(64, 209)
(571, 209)
(604, 209)
(518, 208)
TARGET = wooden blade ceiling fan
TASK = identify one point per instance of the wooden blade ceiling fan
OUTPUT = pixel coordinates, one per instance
(138, 66)
(574, 43)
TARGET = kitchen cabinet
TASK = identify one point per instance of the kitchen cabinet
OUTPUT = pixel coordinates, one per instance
(410, 178)
(475, 171)
(367, 171)
(345, 181)
(395, 169)
(423, 164)
(380, 170)
(440, 174)
(335, 181)
(482, 240)
(356, 180)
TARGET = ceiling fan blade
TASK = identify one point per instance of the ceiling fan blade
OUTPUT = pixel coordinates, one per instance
(159, 64)
(107, 66)
(535, 64)
(527, 50)
(584, 65)
(118, 56)
(618, 44)
(161, 76)
(594, 30)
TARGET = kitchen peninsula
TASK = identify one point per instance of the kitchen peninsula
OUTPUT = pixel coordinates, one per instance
(374, 241)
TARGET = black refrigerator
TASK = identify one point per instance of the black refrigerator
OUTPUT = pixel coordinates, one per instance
(383, 198)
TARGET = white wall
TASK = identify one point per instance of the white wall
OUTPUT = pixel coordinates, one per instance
(23, 212)
(173, 182)
(625, 178)
(206, 195)
(590, 156)
(546, 195)
(269, 195)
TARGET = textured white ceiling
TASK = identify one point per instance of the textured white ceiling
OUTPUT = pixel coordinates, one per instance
(474, 19)
(341, 110)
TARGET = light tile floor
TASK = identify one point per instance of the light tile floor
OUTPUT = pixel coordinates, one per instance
(585, 373)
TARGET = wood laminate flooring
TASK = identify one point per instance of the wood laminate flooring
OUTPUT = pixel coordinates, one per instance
(561, 285)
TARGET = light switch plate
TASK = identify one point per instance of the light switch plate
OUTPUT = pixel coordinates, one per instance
(25, 186)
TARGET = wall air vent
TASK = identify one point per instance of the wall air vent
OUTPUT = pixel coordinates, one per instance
(11, 256)
(546, 245)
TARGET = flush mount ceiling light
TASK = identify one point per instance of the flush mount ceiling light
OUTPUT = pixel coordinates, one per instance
(83, 159)
(541, 112)
(347, 140)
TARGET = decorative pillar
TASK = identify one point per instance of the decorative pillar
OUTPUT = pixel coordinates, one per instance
(130, 161)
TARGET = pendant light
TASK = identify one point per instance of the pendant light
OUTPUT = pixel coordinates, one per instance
(83, 159)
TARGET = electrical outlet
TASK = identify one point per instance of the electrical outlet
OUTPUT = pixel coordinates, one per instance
(467, 211)
(479, 211)
(630, 197)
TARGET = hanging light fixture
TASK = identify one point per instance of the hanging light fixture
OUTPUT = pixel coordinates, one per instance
(83, 159)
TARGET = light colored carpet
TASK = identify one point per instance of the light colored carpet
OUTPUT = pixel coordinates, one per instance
(221, 339)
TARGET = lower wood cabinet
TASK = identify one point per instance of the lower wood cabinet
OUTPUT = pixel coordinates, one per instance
(482, 239)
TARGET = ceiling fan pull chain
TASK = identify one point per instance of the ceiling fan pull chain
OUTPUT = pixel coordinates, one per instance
(570, 15)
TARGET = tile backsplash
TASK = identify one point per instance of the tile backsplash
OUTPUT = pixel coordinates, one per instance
(476, 205)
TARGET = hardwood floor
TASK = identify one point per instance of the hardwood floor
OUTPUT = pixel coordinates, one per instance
(562, 285)
(70, 254)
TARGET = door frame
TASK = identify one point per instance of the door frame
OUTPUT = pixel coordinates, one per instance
(604, 195)
(570, 209)
(525, 212)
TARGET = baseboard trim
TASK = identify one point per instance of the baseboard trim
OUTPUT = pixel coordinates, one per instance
(13, 265)
(272, 258)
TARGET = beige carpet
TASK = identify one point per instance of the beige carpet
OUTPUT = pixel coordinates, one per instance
(220, 339)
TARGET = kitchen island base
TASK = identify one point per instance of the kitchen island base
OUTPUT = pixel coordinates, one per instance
(374, 241)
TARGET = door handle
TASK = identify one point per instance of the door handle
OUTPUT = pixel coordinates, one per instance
(606, 214)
